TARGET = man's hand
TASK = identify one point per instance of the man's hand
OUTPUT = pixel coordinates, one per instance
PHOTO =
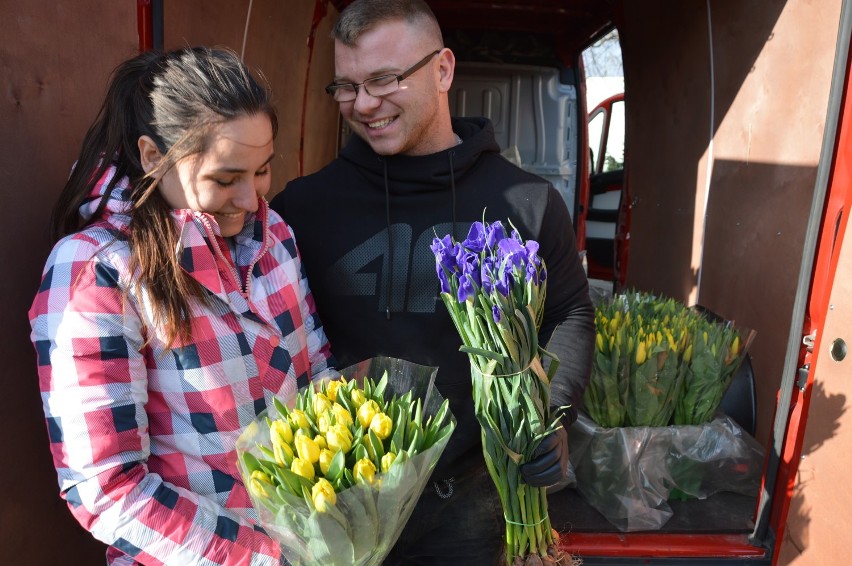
(549, 465)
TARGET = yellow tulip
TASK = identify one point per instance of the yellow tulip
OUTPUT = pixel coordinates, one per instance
(599, 342)
(358, 398)
(324, 422)
(259, 482)
(381, 425)
(687, 354)
(366, 412)
(331, 389)
(283, 454)
(641, 356)
(735, 345)
(387, 461)
(280, 431)
(339, 437)
(307, 448)
(302, 468)
(299, 419)
(364, 470)
(325, 459)
(670, 338)
(321, 403)
(323, 495)
(320, 440)
(341, 414)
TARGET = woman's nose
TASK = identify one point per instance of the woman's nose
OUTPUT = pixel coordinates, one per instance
(246, 196)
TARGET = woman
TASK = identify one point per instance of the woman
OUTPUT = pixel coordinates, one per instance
(170, 311)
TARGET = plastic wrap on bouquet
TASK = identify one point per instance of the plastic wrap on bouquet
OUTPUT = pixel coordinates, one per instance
(628, 474)
(366, 520)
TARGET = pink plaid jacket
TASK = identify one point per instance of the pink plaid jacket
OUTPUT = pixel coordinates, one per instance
(143, 436)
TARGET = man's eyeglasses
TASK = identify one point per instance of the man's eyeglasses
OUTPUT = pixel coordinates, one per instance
(376, 86)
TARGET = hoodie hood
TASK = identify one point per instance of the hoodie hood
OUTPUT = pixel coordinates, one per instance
(433, 172)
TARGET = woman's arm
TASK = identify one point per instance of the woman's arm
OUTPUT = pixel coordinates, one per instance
(94, 387)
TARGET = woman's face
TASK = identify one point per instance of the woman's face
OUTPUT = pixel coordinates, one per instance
(226, 180)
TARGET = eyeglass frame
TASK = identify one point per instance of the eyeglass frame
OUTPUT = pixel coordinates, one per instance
(332, 87)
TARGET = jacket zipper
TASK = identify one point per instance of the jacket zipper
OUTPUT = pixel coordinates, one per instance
(241, 285)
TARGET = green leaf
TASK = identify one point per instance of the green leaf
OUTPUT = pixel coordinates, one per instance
(250, 462)
(335, 468)
(280, 407)
(378, 449)
(416, 441)
(290, 481)
(361, 452)
(379, 391)
(484, 353)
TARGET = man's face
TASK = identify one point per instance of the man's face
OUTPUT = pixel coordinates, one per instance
(406, 121)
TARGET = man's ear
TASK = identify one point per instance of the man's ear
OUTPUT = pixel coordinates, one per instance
(149, 154)
(446, 69)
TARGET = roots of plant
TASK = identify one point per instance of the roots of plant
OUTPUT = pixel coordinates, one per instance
(554, 557)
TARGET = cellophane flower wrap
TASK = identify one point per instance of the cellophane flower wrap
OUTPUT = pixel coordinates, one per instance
(494, 285)
(335, 471)
(655, 433)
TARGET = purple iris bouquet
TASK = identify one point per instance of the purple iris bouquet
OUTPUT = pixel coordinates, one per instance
(494, 286)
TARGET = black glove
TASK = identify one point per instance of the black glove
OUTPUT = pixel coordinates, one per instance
(549, 464)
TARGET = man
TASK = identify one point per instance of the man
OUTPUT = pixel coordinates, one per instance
(364, 225)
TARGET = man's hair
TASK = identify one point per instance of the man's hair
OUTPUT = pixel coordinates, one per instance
(362, 15)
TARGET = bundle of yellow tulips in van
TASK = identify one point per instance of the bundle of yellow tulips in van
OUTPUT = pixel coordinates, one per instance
(336, 474)
(659, 363)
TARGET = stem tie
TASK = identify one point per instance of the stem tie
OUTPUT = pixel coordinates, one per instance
(526, 524)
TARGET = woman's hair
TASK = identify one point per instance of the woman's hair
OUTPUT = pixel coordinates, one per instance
(176, 98)
(362, 15)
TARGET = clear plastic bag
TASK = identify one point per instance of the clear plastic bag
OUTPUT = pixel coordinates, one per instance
(628, 474)
(362, 527)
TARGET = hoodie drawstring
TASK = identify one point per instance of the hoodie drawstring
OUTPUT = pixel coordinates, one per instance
(453, 189)
(389, 272)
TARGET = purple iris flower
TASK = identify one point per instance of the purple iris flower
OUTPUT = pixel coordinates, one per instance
(469, 266)
(445, 260)
(532, 273)
(495, 312)
(466, 289)
(487, 275)
(532, 252)
(503, 281)
(475, 241)
(494, 233)
(443, 278)
(512, 251)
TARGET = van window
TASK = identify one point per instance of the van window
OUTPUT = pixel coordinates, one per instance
(614, 155)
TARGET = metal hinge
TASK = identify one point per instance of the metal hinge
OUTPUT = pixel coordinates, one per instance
(809, 340)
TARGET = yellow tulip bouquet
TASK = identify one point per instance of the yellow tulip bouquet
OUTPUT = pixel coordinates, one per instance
(658, 362)
(336, 471)
(653, 430)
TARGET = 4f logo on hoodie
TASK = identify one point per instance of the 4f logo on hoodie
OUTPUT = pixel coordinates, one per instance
(401, 271)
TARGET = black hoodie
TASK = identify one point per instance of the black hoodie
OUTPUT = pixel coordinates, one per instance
(380, 296)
